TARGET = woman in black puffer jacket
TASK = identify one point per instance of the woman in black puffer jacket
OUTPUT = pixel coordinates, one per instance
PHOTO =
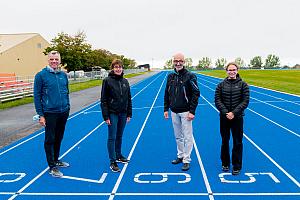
(231, 99)
(116, 108)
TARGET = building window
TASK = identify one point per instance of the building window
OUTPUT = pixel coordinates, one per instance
(39, 45)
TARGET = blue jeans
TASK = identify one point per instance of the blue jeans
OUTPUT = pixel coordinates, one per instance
(115, 133)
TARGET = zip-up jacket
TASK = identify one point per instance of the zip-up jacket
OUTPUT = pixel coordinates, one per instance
(182, 92)
(51, 92)
(115, 96)
(232, 95)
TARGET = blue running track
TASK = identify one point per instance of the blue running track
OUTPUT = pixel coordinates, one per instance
(271, 159)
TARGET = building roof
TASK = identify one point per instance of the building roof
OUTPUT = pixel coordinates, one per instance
(8, 41)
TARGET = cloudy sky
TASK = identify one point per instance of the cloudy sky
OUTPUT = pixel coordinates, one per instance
(151, 31)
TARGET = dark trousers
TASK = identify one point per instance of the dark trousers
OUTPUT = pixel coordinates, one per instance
(54, 133)
(115, 134)
(236, 127)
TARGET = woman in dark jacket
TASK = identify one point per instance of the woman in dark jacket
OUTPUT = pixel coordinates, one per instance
(116, 108)
(231, 99)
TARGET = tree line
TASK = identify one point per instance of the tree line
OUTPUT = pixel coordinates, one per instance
(271, 62)
(77, 54)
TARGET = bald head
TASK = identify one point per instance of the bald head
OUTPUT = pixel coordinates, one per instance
(178, 56)
(178, 61)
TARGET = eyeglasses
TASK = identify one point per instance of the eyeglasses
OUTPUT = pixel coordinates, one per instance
(178, 61)
(118, 67)
(51, 59)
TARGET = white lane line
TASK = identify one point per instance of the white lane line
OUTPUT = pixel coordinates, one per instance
(207, 185)
(214, 78)
(80, 112)
(40, 174)
(160, 194)
(264, 153)
(264, 102)
(38, 134)
(293, 102)
(45, 170)
(277, 124)
(111, 197)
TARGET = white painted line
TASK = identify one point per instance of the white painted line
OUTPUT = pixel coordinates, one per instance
(264, 102)
(258, 194)
(45, 170)
(101, 180)
(293, 102)
(111, 197)
(156, 194)
(273, 161)
(64, 194)
(38, 134)
(276, 107)
(207, 185)
(296, 134)
(254, 86)
(264, 153)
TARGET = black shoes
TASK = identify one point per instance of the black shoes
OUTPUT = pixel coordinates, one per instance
(122, 159)
(62, 164)
(177, 161)
(185, 167)
(114, 167)
(225, 168)
(236, 171)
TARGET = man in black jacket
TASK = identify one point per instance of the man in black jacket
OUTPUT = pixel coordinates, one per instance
(231, 99)
(181, 96)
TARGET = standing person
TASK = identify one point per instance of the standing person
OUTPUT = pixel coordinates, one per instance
(231, 99)
(52, 104)
(116, 108)
(181, 96)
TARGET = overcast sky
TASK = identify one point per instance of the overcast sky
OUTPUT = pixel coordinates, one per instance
(154, 30)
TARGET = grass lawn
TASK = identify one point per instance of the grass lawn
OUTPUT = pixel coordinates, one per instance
(74, 87)
(280, 80)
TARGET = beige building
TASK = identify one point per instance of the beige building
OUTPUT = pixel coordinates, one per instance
(22, 54)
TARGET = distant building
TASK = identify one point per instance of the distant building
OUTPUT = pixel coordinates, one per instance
(22, 53)
(145, 66)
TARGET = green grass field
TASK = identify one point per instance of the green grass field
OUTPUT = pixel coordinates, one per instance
(74, 87)
(280, 80)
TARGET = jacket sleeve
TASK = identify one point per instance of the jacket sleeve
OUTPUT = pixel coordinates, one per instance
(104, 100)
(245, 100)
(195, 94)
(129, 107)
(37, 94)
(218, 100)
(166, 97)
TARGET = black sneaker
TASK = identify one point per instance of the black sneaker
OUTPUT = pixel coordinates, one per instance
(177, 161)
(114, 167)
(122, 159)
(55, 172)
(62, 164)
(236, 171)
(185, 167)
(225, 168)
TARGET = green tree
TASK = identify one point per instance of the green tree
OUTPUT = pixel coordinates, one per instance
(240, 62)
(74, 50)
(168, 64)
(188, 63)
(204, 63)
(220, 63)
(272, 61)
(256, 62)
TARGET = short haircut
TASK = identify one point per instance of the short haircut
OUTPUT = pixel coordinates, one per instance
(232, 63)
(54, 53)
(116, 62)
